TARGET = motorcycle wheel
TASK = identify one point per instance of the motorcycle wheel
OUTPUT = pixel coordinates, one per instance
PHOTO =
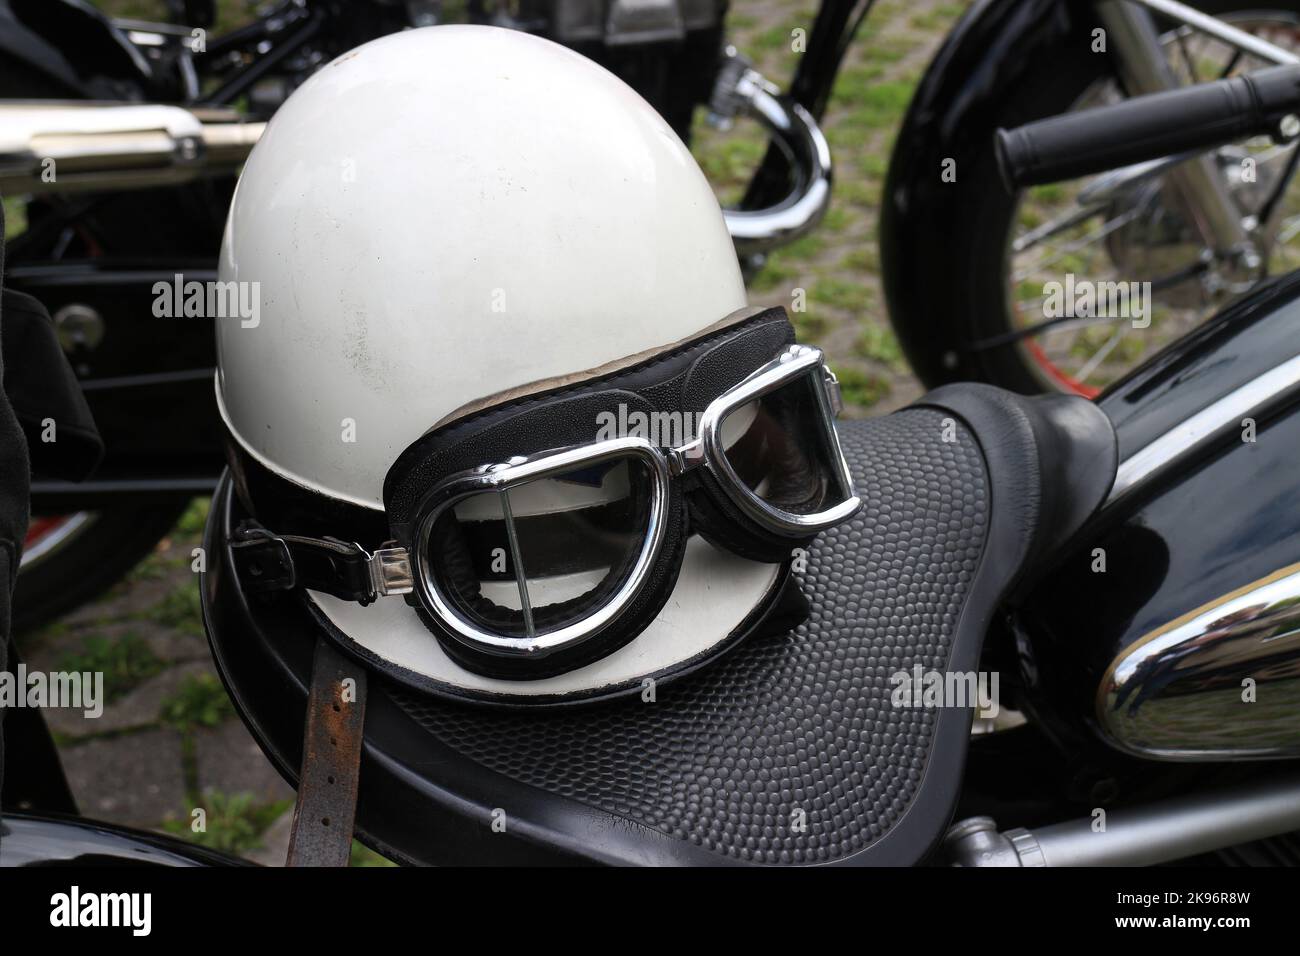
(70, 559)
(998, 269)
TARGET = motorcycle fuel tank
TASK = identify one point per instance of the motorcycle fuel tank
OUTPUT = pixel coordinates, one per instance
(1171, 625)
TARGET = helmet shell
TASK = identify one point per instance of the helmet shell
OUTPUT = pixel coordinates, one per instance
(439, 216)
(442, 214)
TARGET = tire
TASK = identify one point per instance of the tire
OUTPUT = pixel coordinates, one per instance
(96, 552)
(975, 254)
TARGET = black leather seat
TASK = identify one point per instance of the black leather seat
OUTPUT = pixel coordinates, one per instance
(787, 749)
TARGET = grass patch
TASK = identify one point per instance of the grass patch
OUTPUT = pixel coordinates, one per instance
(362, 855)
(861, 388)
(781, 36)
(194, 518)
(878, 343)
(854, 82)
(200, 701)
(125, 662)
(837, 219)
(180, 609)
(728, 159)
(881, 104)
(777, 273)
(874, 166)
(15, 216)
(862, 258)
(805, 248)
(189, 530)
(234, 823)
(808, 327)
(841, 294)
(940, 18)
(864, 195)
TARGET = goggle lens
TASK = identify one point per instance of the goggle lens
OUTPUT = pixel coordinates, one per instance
(546, 553)
(783, 449)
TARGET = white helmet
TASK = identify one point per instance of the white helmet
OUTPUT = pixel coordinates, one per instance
(472, 248)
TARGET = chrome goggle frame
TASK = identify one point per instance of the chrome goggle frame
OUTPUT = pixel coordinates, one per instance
(706, 450)
(501, 478)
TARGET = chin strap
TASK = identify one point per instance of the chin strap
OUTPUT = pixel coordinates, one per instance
(328, 781)
(265, 562)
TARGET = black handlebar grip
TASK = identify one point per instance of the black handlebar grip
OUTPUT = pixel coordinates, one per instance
(1147, 127)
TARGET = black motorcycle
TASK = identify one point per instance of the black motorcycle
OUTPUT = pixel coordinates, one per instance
(1129, 572)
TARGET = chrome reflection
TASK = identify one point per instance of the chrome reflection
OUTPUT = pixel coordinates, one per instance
(1181, 692)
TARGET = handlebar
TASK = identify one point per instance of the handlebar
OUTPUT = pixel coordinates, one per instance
(1150, 127)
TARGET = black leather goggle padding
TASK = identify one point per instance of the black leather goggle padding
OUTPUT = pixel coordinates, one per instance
(684, 380)
(635, 618)
(722, 523)
(566, 420)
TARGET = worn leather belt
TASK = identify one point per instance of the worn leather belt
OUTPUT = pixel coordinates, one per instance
(329, 779)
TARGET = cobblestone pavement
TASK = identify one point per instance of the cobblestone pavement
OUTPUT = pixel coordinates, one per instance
(169, 742)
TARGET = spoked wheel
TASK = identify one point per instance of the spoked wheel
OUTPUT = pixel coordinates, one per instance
(990, 301)
(1145, 232)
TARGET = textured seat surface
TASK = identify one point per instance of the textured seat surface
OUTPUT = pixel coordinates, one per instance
(787, 749)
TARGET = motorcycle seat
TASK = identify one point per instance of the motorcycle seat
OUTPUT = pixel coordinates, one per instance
(787, 749)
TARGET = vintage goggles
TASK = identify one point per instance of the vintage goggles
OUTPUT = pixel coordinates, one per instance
(530, 564)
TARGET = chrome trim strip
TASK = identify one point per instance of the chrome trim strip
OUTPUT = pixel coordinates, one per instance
(1170, 694)
(1204, 425)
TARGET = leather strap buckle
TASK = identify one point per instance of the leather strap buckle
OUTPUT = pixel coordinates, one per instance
(263, 560)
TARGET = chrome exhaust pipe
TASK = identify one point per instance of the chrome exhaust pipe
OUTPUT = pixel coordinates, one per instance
(1140, 836)
(742, 90)
(54, 146)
